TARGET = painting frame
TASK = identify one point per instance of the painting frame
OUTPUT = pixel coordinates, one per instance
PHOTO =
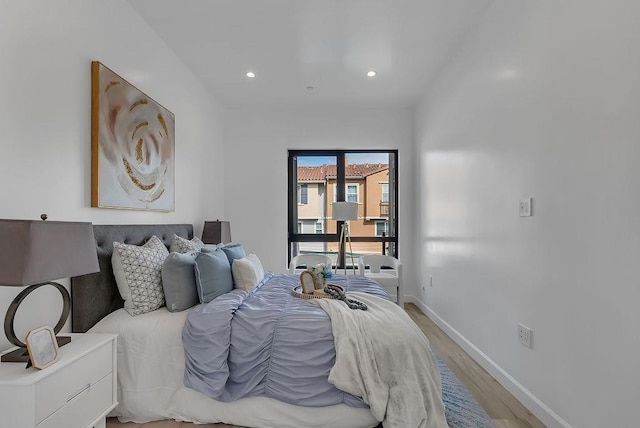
(132, 146)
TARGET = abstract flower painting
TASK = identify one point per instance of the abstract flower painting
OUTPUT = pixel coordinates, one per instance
(132, 146)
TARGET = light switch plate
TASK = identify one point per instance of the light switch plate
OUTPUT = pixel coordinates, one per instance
(525, 207)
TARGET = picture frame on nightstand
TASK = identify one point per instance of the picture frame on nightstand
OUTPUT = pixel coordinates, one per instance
(42, 346)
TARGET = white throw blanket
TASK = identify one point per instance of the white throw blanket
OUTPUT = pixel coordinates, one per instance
(383, 357)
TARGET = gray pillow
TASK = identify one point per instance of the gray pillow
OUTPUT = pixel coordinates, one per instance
(213, 275)
(184, 245)
(179, 281)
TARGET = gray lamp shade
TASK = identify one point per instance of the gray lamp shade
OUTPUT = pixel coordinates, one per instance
(216, 232)
(35, 251)
(344, 211)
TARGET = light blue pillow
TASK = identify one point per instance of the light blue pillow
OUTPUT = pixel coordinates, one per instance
(179, 281)
(209, 248)
(213, 275)
(235, 251)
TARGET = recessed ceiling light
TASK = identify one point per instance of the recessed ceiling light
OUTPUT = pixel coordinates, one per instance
(251, 74)
(309, 88)
(371, 73)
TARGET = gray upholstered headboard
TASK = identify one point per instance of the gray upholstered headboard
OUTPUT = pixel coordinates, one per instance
(96, 295)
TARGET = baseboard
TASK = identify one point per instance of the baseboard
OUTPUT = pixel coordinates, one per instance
(530, 401)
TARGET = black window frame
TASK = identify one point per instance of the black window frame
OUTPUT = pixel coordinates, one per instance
(292, 188)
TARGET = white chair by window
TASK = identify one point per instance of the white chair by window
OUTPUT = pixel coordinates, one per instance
(308, 260)
(385, 270)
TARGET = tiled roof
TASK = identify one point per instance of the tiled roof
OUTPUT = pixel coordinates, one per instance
(312, 173)
(322, 172)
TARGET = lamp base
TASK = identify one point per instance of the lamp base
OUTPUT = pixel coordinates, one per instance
(21, 355)
(345, 237)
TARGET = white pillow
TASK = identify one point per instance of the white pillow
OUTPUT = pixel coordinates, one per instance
(138, 273)
(257, 265)
(247, 272)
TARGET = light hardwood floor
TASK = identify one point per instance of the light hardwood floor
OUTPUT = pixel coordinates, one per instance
(500, 405)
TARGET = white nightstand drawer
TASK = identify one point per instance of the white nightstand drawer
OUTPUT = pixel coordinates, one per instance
(83, 408)
(69, 383)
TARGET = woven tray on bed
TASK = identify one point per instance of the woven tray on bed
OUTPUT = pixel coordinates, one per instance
(317, 294)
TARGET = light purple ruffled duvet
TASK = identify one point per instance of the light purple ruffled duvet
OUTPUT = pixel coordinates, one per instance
(266, 343)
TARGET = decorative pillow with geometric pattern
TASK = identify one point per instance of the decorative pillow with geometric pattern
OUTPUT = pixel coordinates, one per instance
(183, 245)
(138, 273)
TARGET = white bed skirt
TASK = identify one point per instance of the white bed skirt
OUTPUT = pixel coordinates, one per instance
(150, 383)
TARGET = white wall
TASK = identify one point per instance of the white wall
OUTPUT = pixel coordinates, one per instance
(46, 49)
(542, 101)
(257, 141)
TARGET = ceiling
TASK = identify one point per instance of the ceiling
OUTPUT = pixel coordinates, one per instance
(325, 44)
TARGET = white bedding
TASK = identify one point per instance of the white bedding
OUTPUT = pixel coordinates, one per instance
(405, 393)
(150, 382)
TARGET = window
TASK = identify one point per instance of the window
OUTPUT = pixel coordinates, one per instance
(318, 178)
(303, 194)
(382, 227)
(385, 193)
(351, 192)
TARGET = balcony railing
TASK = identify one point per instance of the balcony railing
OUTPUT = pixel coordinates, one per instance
(384, 209)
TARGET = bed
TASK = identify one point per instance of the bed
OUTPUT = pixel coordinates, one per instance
(151, 356)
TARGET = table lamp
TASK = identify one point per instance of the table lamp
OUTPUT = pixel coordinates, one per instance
(33, 254)
(345, 211)
(216, 232)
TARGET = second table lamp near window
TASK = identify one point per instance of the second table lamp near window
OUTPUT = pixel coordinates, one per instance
(216, 232)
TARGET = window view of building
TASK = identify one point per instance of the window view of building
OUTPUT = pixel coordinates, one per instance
(363, 178)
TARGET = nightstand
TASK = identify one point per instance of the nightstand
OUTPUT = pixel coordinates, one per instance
(78, 391)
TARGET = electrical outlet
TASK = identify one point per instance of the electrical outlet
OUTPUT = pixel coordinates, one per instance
(524, 208)
(524, 335)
